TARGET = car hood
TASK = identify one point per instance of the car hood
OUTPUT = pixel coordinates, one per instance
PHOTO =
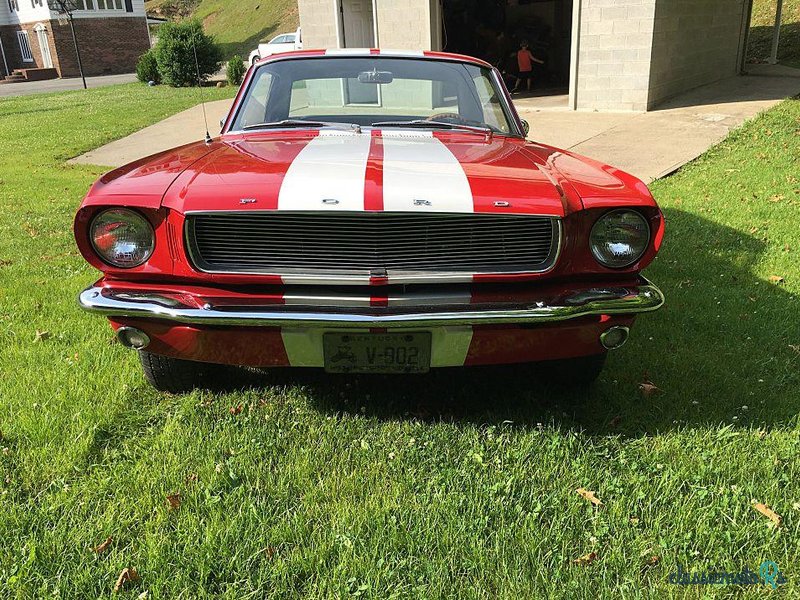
(388, 170)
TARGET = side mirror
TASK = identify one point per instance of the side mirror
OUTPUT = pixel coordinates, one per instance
(526, 127)
(221, 123)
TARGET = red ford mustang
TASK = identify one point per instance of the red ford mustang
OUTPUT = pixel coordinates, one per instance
(369, 211)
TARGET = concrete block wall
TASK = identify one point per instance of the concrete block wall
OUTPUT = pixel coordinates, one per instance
(614, 54)
(405, 25)
(319, 22)
(695, 42)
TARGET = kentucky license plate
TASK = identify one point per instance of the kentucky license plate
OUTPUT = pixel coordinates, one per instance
(377, 352)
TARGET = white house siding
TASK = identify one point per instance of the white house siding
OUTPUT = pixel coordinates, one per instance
(26, 13)
(695, 42)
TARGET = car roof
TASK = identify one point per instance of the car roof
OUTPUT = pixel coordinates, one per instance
(360, 52)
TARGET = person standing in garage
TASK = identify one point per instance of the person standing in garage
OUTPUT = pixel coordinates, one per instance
(525, 60)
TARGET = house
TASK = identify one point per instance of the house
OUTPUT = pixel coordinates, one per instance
(626, 55)
(111, 34)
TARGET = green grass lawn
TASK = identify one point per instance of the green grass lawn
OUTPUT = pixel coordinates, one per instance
(460, 484)
(237, 25)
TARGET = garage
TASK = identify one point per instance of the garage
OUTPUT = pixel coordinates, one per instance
(493, 30)
(626, 55)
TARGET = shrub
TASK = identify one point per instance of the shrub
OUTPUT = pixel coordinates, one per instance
(147, 68)
(175, 53)
(236, 70)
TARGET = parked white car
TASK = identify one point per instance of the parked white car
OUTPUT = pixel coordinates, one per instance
(280, 43)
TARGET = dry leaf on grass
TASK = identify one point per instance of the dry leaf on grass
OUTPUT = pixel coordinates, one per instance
(768, 512)
(41, 336)
(235, 410)
(648, 389)
(796, 506)
(174, 501)
(589, 495)
(776, 279)
(653, 560)
(104, 546)
(586, 559)
(128, 574)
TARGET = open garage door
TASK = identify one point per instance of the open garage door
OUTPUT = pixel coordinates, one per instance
(494, 30)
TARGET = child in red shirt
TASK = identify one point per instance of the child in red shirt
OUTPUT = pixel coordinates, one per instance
(525, 62)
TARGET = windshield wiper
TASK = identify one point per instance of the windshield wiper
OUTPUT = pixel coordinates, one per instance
(287, 123)
(423, 123)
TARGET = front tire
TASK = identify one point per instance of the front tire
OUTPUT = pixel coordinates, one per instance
(582, 371)
(177, 376)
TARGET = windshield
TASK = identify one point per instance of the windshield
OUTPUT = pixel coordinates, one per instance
(373, 90)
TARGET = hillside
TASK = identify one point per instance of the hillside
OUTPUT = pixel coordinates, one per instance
(238, 25)
(761, 32)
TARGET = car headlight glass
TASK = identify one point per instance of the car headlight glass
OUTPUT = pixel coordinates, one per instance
(619, 238)
(122, 238)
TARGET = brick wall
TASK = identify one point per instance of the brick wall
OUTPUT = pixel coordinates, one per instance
(614, 54)
(318, 20)
(8, 33)
(694, 42)
(108, 46)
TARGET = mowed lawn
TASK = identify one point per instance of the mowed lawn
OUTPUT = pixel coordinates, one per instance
(460, 484)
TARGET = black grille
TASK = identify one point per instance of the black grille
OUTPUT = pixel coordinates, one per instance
(397, 245)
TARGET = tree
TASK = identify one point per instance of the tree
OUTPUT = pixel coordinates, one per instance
(185, 54)
(66, 8)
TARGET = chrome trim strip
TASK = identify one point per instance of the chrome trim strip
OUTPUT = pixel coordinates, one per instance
(350, 279)
(588, 302)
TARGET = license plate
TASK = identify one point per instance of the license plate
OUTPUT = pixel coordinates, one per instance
(377, 352)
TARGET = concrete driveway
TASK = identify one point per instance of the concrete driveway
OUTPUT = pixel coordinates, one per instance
(62, 85)
(648, 145)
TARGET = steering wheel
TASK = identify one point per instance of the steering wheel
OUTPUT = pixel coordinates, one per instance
(448, 117)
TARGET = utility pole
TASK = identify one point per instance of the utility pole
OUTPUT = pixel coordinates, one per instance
(66, 8)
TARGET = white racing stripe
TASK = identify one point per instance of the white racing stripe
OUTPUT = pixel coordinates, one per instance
(348, 52)
(420, 174)
(328, 174)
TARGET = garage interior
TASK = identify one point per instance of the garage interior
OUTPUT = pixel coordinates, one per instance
(493, 29)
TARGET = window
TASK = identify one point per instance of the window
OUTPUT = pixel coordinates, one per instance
(99, 4)
(372, 90)
(13, 5)
(109, 4)
(24, 46)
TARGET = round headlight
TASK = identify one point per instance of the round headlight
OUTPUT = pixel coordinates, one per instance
(122, 238)
(619, 238)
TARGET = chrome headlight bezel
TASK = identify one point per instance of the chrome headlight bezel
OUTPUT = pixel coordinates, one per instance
(131, 219)
(614, 219)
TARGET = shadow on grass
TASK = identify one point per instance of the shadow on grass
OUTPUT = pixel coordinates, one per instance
(759, 47)
(723, 341)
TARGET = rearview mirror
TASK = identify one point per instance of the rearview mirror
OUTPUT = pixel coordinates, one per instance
(375, 77)
(526, 127)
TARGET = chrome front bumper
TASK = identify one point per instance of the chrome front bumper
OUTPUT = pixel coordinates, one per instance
(407, 312)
